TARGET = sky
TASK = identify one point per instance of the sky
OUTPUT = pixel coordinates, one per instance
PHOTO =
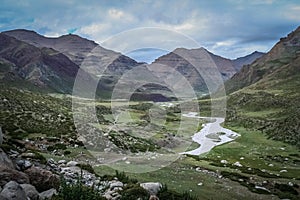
(229, 28)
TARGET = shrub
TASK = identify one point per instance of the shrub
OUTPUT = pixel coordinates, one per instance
(77, 192)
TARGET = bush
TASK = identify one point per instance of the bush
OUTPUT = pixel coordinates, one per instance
(164, 193)
(77, 192)
(133, 192)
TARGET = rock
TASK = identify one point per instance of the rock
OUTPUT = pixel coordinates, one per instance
(238, 164)
(23, 164)
(7, 174)
(116, 184)
(262, 188)
(28, 155)
(152, 187)
(42, 179)
(153, 197)
(271, 165)
(72, 163)
(224, 161)
(48, 194)
(200, 184)
(1, 136)
(30, 191)
(5, 160)
(13, 191)
(60, 162)
(283, 171)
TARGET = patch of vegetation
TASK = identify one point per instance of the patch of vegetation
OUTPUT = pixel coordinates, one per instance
(77, 191)
(165, 193)
(86, 167)
(132, 143)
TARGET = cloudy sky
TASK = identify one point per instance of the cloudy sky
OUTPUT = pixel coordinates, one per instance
(230, 28)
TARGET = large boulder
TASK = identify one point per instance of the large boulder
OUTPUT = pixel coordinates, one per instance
(13, 191)
(152, 187)
(48, 194)
(5, 161)
(42, 179)
(8, 174)
(30, 191)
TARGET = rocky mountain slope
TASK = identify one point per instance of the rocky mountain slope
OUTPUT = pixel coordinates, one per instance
(199, 66)
(248, 59)
(45, 69)
(264, 95)
(78, 49)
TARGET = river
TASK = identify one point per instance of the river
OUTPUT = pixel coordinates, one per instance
(212, 134)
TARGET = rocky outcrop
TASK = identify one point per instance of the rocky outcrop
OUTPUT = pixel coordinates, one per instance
(13, 191)
(42, 179)
(152, 187)
(30, 191)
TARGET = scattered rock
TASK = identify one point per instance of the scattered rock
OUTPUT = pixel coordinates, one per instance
(61, 162)
(262, 188)
(283, 171)
(153, 197)
(152, 187)
(7, 174)
(42, 179)
(48, 194)
(13, 191)
(238, 164)
(116, 184)
(30, 191)
(28, 155)
(5, 161)
(200, 184)
(23, 164)
(72, 164)
(224, 161)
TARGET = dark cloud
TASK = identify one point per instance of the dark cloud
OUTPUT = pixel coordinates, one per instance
(230, 27)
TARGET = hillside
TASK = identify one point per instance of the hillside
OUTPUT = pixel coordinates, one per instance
(265, 94)
(26, 66)
(201, 67)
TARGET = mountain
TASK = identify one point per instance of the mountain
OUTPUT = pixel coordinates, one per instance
(79, 49)
(100, 63)
(24, 65)
(200, 67)
(248, 59)
(265, 94)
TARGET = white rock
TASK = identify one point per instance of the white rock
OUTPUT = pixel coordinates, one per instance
(200, 184)
(262, 188)
(271, 165)
(242, 158)
(238, 164)
(283, 171)
(224, 161)
(291, 184)
(152, 187)
(62, 162)
(72, 163)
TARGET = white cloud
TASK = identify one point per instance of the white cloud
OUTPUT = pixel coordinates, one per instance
(115, 14)
(293, 13)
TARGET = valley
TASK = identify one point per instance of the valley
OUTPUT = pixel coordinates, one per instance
(112, 146)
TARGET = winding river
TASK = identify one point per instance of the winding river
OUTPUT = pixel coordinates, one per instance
(212, 134)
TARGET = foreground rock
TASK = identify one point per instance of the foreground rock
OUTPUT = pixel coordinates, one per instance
(13, 191)
(30, 191)
(42, 179)
(48, 194)
(152, 187)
